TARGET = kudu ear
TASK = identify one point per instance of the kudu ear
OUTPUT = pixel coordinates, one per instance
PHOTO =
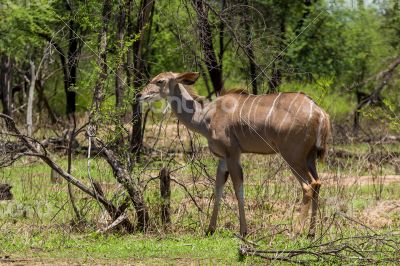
(188, 78)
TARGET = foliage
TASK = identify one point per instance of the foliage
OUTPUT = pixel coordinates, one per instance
(309, 43)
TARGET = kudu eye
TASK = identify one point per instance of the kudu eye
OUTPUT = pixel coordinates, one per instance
(160, 81)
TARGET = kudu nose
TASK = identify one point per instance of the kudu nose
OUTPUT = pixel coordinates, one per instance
(139, 96)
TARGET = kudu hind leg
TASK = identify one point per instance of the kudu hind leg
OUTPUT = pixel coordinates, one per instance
(222, 176)
(316, 185)
(305, 179)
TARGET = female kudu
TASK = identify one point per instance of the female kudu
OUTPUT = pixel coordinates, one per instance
(287, 123)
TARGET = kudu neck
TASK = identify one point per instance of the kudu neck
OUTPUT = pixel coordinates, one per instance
(186, 109)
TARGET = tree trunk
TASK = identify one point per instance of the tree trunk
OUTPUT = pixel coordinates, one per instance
(119, 87)
(44, 102)
(98, 95)
(144, 18)
(276, 73)
(165, 191)
(72, 63)
(250, 52)
(5, 84)
(68, 65)
(206, 41)
(70, 190)
(276, 77)
(30, 99)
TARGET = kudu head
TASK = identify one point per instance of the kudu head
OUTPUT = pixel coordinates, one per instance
(159, 87)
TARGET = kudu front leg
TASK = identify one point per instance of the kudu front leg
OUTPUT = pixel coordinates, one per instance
(222, 176)
(236, 172)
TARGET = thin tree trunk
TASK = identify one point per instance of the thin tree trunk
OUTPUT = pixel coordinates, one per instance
(144, 18)
(206, 41)
(67, 66)
(73, 55)
(221, 34)
(30, 99)
(98, 95)
(45, 102)
(276, 78)
(70, 191)
(250, 51)
(5, 84)
(165, 191)
(119, 88)
(276, 72)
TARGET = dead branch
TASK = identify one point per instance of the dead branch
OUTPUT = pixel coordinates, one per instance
(374, 98)
(34, 148)
(123, 177)
(341, 249)
(114, 224)
(359, 248)
(382, 157)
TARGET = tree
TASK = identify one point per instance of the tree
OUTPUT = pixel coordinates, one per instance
(5, 83)
(123, 8)
(204, 32)
(136, 78)
(119, 166)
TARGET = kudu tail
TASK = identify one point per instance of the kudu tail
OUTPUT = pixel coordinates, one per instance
(324, 133)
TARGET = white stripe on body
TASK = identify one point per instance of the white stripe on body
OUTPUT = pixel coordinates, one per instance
(321, 118)
(287, 112)
(255, 111)
(251, 107)
(310, 114)
(240, 114)
(270, 113)
(294, 119)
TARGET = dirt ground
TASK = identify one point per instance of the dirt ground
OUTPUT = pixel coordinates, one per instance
(347, 180)
(380, 214)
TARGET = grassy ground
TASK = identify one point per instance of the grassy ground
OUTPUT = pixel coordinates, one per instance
(56, 245)
(37, 227)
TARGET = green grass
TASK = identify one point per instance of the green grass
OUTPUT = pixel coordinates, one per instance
(55, 244)
(37, 223)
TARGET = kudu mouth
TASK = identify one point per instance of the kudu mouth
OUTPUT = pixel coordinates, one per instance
(150, 97)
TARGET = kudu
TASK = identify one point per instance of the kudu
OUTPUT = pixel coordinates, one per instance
(287, 123)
